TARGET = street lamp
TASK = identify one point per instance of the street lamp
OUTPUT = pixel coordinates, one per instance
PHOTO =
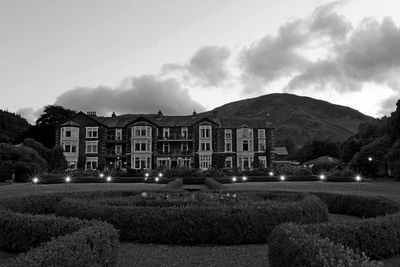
(68, 179)
(282, 178)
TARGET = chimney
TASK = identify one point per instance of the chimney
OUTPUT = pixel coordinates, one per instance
(91, 114)
(113, 115)
(194, 115)
(159, 114)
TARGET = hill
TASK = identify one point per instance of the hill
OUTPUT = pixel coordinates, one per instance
(12, 126)
(298, 117)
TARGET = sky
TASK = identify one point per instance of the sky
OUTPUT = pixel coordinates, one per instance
(141, 56)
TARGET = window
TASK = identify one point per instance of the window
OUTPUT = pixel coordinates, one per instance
(67, 148)
(118, 150)
(165, 132)
(72, 164)
(69, 133)
(205, 162)
(245, 133)
(165, 148)
(205, 145)
(263, 161)
(142, 145)
(245, 162)
(141, 131)
(228, 162)
(185, 162)
(142, 162)
(261, 133)
(205, 131)
(163, 162)
(245, 145)
(91, 147)
(228, 145)
(228, 134)
(118, 134)
(184, 132)
(261, 145)
(91, 163)
(184, 146)
(92, 132)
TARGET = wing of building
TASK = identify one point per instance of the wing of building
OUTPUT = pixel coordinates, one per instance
(148, 141)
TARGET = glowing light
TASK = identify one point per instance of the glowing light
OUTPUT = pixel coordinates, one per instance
(146, 174)
(234, 179)
(35, 180)
(109, 178)
(271, 174)
(101, 175)
(244, 178)
(282, 177)
(157, 179)
(358, 178)
(370, 158)
(322, 177)
(160, 174)
(67, 179)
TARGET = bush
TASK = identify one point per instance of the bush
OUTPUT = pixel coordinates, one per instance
(175, 184)
(248, 222)
(214, 185)
(97, 245)
(361, 206)
(20, 232)
(289, 245)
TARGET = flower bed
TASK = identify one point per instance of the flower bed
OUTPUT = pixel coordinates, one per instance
(183, 218)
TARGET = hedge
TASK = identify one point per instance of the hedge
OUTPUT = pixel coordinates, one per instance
(221, 224)
(290, 245)
(175, 184)
(361, 206)
(20, 232)
(96, 245)
(214, 185)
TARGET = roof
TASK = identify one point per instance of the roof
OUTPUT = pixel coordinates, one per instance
(281, 151)
(70, 123)
(323, 159)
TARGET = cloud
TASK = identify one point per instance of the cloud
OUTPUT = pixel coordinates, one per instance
(145, 94)
(388, 105)
(30, 114)
(208, 66)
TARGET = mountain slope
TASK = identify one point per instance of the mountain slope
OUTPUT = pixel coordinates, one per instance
(300, 118)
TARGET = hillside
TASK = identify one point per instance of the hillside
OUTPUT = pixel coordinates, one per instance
(12, 126)
(300, 118)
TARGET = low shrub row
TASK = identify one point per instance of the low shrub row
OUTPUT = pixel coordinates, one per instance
(291, 246)
(220, 224)
(20, 232)
(214, 185)
(361, 206)
(96, 245)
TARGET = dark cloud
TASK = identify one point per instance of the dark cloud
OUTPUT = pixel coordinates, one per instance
(274, 57)
(207, 66)
(145, 94)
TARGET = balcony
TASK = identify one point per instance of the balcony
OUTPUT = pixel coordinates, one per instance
(175, 137)
(174, 153)
(111, 138)
(112, 154)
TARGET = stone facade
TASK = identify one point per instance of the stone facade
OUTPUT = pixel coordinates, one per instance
(136, 141)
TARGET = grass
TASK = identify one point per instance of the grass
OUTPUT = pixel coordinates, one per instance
(134, 254)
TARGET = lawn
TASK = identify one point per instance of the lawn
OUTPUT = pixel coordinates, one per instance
(242, 255)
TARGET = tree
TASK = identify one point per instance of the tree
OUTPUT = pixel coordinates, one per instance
(317, 148)
(349, 148)
(57, 159)
(394, 124)
(393, 157)
(43, 151)
(81, 162)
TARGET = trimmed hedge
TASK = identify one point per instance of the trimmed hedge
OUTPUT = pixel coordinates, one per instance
(214, 185)
(361, 206)
(378, 237)
(290, 245)
(20, 232)
(220, 224)
(96, 245)
(175, 184)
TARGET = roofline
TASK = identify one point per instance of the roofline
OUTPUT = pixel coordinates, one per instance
(80, 112)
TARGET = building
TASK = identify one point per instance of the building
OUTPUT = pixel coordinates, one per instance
(148, 141)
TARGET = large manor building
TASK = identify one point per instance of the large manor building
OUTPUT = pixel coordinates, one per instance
(149, 141)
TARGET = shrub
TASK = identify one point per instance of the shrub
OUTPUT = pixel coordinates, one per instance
(214, 185)
(289, 245)
(175, 184)
(97, 245)
(250, 222)
(34, 204)
(20, 232)
(361, 206)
